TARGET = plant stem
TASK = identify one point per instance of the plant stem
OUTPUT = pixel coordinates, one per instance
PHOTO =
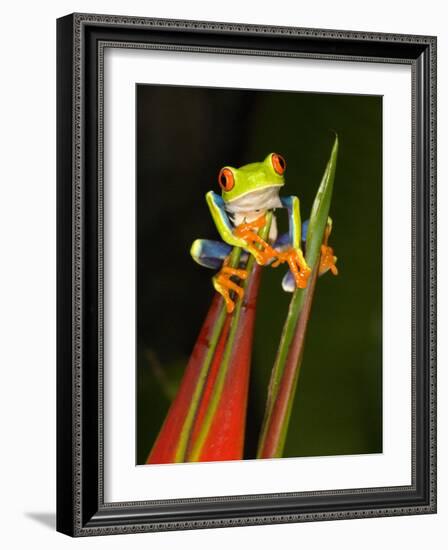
(285, 373)
(230, 355)
(196, 397)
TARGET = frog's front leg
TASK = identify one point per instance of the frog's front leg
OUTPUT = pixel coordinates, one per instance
(215, 255)
(258, 247)
(297, 264)
(293, 255)
(327, 258)
(244, 235)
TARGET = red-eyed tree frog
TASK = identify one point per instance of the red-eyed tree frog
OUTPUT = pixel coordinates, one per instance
(247, 194)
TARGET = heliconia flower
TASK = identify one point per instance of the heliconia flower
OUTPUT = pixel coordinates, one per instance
(207, 418)
(285, 373)
(219, 429)
(168, 446)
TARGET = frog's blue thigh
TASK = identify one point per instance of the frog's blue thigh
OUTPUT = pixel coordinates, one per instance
(283, 241)
(305, 225)
(209, 253)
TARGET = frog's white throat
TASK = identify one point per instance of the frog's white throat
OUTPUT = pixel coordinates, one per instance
(251, 205)
(254, 204)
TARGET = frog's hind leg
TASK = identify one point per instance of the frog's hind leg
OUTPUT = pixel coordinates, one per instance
(214, 255)
(288, 282)
(282, 242)
(209, 253)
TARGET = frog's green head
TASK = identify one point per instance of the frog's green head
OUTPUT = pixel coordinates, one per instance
(255, 177)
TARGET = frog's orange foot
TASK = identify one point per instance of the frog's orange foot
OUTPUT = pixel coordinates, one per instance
(327, 260)
(258, 247)
(302, 277)
(297, 264)
(250, 227)
(224, 285)
(264, 255)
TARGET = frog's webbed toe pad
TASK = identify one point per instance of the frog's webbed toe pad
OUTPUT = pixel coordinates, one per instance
(288, 282)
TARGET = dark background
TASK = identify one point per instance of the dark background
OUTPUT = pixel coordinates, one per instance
(184, 136)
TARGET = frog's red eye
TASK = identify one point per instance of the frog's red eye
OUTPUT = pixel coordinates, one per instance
(279, 163)
(226, 179)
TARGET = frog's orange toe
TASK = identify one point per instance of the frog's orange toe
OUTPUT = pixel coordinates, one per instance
(302, 277)
(258, 247)
(327, 260)
(297, 265)
(221, 287)
(229, 271)
(248, 228)
(224, 284)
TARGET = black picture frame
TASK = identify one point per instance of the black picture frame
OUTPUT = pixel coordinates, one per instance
(81, 39)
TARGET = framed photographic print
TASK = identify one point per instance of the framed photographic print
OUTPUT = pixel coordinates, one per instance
(246, 274)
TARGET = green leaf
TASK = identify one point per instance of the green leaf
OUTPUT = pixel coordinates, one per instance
(321, 209)
(285, 373)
